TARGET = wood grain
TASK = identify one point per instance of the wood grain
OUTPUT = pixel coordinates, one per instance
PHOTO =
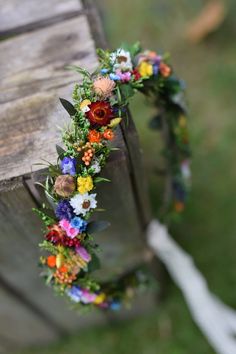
(19, 252)
(15, 13)
(31, 84)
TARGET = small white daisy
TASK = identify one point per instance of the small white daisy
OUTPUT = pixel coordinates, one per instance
(82, 203)
(121, 60)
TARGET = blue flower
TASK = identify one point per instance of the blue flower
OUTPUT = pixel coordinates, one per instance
(104, 71)
(115, 305)
(155, 69)
(79, 223)
(64, 210)
(114, 77)
(68, 165)
(75, 293)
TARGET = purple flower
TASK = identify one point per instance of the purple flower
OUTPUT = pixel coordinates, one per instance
(124, 77)
(68, 165)
(75, 293)
(79, 223)
(64, 210)
(87, 297)
(83, 253)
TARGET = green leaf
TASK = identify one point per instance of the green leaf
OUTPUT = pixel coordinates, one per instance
(101, 179)
(68, 107)
(94, 264)
(97, 226)
(127, 91)
(60, 151)
(156, 122)
(51, 200)
(80, 70)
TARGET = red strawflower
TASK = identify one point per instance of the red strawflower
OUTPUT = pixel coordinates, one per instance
(100, 113)
(136, 74)
(57, 236)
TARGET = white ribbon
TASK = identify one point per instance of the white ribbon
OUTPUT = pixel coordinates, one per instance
(216, 320)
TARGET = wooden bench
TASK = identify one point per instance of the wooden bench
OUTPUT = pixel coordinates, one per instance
(39, 39)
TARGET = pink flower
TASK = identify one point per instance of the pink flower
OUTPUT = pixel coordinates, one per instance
(124, 76)
(87, 297)
(66, 226)
(82, 252)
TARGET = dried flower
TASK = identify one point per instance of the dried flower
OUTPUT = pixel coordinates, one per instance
(83, 253)
(75, 293)
(100, 113)
(64, 210)
(124, 76)
(64, 185)
(95, 166)
(68, 165)
(57, 236)
(85, 184)
(51, 261)
(121, 60)
(82, 203)
(94, 136)
(108, 134)
(84, 106)
(79, 224)
(145, 69)
(165, 69)
(71, 231)
(103, 87)
(88, 156)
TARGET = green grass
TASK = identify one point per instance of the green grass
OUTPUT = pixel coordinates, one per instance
(208, 229)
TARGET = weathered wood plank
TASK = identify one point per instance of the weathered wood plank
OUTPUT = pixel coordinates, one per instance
(15, 13)
(42, 57)
(32, 83)
(19, 326)
(19, 238)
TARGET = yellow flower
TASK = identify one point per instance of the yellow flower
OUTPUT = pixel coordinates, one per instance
(182, 121)
(84, 105)
(145, 69)
(85, 184)
(99, 299)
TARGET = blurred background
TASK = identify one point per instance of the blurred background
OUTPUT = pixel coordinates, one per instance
(206, 61)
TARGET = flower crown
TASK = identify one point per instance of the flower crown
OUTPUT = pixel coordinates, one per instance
(100, 104)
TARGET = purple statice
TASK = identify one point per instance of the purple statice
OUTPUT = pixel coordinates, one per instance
(68, 166)
(79, 223)
(64, 210)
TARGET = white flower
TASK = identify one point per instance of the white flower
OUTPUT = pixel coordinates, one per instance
(95, 166)
(121, 60)
(185, 169)
(82, 203)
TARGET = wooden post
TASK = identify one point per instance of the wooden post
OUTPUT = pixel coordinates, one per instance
(37, 45)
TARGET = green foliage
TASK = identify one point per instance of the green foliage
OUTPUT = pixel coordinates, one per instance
(68, 107)
(97, 226)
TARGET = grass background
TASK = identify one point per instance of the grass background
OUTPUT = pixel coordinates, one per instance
(208, 229)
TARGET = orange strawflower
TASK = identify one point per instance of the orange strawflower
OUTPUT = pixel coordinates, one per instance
(108, 134)
(63, 269)
(165, 69)
(94, 136)
(179, 206)
(51, 261)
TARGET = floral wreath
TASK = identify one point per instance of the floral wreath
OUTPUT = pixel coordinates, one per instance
(100, 103)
